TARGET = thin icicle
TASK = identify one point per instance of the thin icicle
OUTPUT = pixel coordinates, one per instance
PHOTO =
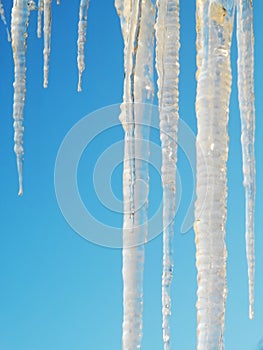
(2, 14)
(39, 17)
(245, 43)
(82, 30)
(167, 64)
(137, 19)
(47, 39)
(214, 32)
(19, 23)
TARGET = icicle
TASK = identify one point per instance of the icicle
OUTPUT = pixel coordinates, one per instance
(167, 64)
(2, 14)
(82, 29)
(137, 19)
(245, 43)
(19, 24)
(124, 9)
(39, 18)
(58, 2)
(214, 32)
(47, 38)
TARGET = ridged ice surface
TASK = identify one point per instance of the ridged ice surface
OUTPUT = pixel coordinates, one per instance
(167, 64)
(137, 19)
(82, 30)
(245, 43)
(40, 7)
(19, 23)
(214, 32)
(2, 15)
(47, 38)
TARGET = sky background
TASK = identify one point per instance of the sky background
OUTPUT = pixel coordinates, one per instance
(60, 291)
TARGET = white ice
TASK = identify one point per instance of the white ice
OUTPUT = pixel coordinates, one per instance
(47, 38)
(137, 20)
(19, 24)
(167, 64)
(245, 44)
(214, 22)
(82, 30)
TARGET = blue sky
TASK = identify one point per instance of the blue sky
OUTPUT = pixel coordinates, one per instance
(59, 291)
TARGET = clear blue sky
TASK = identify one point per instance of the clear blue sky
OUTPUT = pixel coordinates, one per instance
(59, 291)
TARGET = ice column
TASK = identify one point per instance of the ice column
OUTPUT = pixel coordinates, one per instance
(19, 23)
(47, 38)
(167, 64)
(2, 14)
(137, 20)
(214, 32)
(245, 44)
(40, 6)
(82, 29)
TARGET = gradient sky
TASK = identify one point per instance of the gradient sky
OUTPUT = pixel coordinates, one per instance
(58, 290)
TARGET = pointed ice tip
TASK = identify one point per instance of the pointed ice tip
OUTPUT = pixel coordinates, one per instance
(251, 312)
(20, 193)
(19, 161)
(80, 83)
(8, 36)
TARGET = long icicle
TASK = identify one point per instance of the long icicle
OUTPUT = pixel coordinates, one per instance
(82, 30)
(214, 33)
(245, 44)
(39, 17)
(47, 39)
(19, 24)
(137, 19)
(2, 14)
(167, 64)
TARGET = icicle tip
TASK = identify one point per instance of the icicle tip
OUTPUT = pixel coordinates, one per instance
(8, 36)
(251, 312)
(80, 83)
(20, 174)
(20, 192)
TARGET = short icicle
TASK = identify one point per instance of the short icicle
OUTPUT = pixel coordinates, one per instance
(137, 20)
(167, 64)
(2, 14)
(245, 44)
(40, 6)
(47, 39)
(214, 22)
(82, 30)
(19, 24)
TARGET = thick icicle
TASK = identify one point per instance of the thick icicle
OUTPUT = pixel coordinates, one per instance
(47, 38)
(2, 14)
(39, 17)
(19, 23)
(137, 19)
(245, 43)
(167, 64)
(214, 33)
(82, 30)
